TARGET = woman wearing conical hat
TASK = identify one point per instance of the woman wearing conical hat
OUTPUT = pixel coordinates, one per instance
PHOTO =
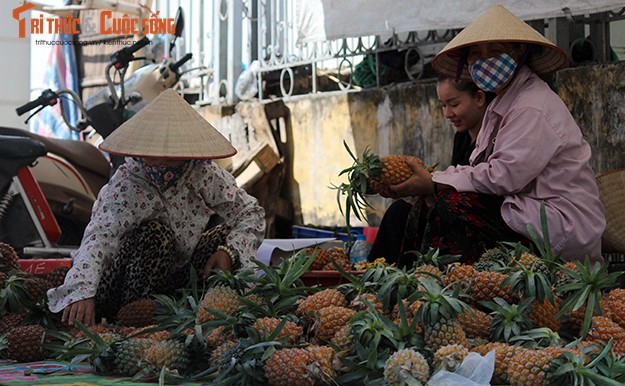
(529, 151)
(167, 208)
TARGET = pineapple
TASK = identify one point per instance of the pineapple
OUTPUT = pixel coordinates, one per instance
(322, 257)
(438, 315)
(25, 343)
(503, 353)
(10, 321)
(544, 314)
(370, 175)
(460, 273)
(329, 320)
(406, 367)
(359, 304)
(339, 257)
(37, 287)
(138, 313)
(603, 329)
(508, 319)
(292, 366)
(168, 353)
(489, 285)
(128, 358)
(217, 355)
(221, 299)
(475, 323)
(313, 303)
(57, 276)
(342, 339)
(268, 325)
(530, 368)
(324, 358)
(218, 336)
(450, 357)
(615, 304)
(9, 257)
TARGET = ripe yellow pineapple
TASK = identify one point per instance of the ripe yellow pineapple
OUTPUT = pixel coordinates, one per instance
(343, 338)
(503, 354)
(370, 174)
(543, 314)
(329, 320)
(488, 285)
(450, 357)
(168, 353)
(358, 303)
(324, 360)
(322, 257)
(615, 303)
(268, 325)
(9, 257)
(25, 343)
(139, 313)
(313, 303)
(218, 336)
(405, 367)
(443, 333)
(475, 323)
(292, 366)
(461, 273)
(338, 256)
(602, 329)
(222, 299)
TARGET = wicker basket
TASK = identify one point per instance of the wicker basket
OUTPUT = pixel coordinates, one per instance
(612, 193)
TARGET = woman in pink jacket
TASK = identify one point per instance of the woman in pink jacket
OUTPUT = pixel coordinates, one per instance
(529, 151)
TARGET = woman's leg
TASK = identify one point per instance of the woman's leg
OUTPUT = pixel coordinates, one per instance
(142, 267)
(467, 224)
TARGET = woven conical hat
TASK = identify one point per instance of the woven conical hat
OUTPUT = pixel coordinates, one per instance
(499, 25)
(168, 127)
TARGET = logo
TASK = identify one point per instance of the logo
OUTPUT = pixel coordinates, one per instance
(105, 24)
(22, 22)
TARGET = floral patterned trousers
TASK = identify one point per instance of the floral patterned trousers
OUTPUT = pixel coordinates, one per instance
(457, 223)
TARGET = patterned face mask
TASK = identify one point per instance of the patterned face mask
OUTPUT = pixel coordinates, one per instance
(163, 176)
(491, 73)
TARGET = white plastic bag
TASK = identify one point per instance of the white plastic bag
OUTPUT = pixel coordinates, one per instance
(475, 370)
(246, 86)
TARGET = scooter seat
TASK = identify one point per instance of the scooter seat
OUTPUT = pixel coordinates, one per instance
(21, 148)
(78, 153)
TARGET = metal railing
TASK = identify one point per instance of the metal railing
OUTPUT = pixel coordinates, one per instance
(226, 36)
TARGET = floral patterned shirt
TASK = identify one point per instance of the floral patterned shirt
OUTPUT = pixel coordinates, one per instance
(129, 199)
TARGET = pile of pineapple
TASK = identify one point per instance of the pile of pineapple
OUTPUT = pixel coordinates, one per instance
(546, 320)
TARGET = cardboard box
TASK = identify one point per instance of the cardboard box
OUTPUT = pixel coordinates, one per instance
(43, 266)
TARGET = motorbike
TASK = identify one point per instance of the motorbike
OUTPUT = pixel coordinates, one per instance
(48, 186)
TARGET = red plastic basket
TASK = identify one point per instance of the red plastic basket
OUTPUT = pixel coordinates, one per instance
(326, 278)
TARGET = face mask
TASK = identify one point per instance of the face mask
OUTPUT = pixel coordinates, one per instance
(491, 73)
(163, 176)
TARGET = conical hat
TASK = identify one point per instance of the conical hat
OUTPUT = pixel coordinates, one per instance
(168, 127)
(499, 25)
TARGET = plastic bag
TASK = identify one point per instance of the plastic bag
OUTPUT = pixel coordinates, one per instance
(475, 370)
(246, 86)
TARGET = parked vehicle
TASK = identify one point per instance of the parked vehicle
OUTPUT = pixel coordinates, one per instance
(48, 186)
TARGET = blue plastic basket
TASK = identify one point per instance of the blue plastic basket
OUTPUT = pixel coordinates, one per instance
(302, 232)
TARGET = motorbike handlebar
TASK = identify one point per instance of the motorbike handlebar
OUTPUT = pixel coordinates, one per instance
(47, 98)
(121, 58)
(175, 66)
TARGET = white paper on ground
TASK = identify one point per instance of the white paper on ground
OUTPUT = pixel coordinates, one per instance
(267, 248)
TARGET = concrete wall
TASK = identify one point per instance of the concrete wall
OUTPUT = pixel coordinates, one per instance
(408, 119)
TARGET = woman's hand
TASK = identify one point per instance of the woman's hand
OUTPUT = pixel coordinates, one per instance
(219, 259)
(82, 311)
(419, 184)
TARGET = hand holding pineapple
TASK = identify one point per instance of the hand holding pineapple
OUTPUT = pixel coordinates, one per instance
(418, 184)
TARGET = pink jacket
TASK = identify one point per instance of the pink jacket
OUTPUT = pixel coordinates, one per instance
(537, 154)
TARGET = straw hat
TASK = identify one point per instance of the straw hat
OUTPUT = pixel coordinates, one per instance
(612, 194)
(499, 25)
(168, 127)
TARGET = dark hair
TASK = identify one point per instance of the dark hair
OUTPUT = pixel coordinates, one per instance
(468, 87)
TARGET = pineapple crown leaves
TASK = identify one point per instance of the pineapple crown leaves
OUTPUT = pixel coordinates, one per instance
(13, 294)
(432, 257)
(65, 347)
(508, 319)
(537, 338)
(100, 353)
(612, 366)
(528, 283)
(439, 303)
(589, 282)
(396, 284)
(584, 368)
(354, 191)
(175, 315)
(544, 244)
